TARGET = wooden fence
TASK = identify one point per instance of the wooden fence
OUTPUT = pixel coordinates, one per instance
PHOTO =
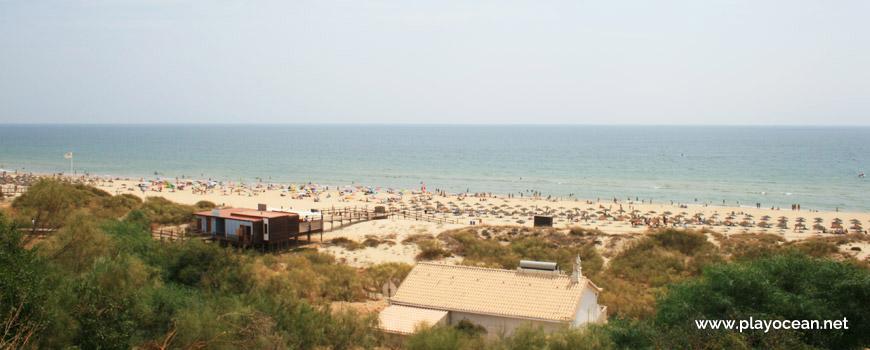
(351, 215)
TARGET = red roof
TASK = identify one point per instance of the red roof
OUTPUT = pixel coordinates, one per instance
(244, 214)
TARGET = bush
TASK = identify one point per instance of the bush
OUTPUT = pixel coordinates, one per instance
(207, 266)
(371, 242)
(49, 203)
(687, 242)
(23, 288)
(431, 249)
(77, 246)
(204, 205)
(438, 338)
(645, 261)
(791, 287)
(347, 243)
(122, 204)
(378, 275)
(107, 308)
(163, 211)
(817, 248)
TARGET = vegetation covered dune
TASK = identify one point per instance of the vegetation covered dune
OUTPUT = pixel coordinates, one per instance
(101, 281)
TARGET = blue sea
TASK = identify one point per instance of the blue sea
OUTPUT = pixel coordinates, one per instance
(817, 167)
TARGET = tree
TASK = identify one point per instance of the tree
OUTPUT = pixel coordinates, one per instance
(23, 288)
(782, 287)
(45, 203)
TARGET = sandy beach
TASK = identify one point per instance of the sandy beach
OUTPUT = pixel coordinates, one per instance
(620, 217)
(607, 215)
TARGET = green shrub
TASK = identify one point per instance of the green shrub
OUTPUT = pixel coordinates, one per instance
(347, 243)
(817, 248)
(24, 287)
(686, 242)
(378, 275)
(107, 308)
(208, 266)
(371, 242)
(646, 262)
(438, 338)
(163, 211)
(791, 287)
(527, 336)
(204, 205)
(77, 246)
(431, 249)
(50, 203)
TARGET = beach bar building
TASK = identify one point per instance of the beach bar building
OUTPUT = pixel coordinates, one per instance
(495, 299)
(257, 228)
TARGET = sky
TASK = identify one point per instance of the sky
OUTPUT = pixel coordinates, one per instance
(712, 62)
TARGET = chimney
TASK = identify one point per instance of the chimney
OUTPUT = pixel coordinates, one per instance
(578, 271)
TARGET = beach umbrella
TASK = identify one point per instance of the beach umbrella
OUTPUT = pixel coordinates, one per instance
(818, 227)
(783, 222)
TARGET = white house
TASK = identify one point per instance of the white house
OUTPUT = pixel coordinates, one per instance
(499, 300)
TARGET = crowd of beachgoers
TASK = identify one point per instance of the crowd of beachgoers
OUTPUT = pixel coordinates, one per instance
(474, 208)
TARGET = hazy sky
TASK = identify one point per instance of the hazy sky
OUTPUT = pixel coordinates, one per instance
(786, 62)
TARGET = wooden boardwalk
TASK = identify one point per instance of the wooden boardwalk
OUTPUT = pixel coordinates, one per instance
(351, 215)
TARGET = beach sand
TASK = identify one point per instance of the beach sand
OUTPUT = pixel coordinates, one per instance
(396, 229)
(249, 198)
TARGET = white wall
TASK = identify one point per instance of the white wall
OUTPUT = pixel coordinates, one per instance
(588, 310)
(495, 325)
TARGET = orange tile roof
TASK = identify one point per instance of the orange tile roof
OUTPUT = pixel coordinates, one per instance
(491, 291)
(403, 319)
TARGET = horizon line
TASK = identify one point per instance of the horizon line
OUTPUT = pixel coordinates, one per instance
(426, 124)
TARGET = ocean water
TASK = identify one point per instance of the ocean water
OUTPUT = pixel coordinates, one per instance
(777, 166)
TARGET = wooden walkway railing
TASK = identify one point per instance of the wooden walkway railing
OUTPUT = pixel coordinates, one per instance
(418, 216)
(172, 234)
(351, 215)
(13, 189)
